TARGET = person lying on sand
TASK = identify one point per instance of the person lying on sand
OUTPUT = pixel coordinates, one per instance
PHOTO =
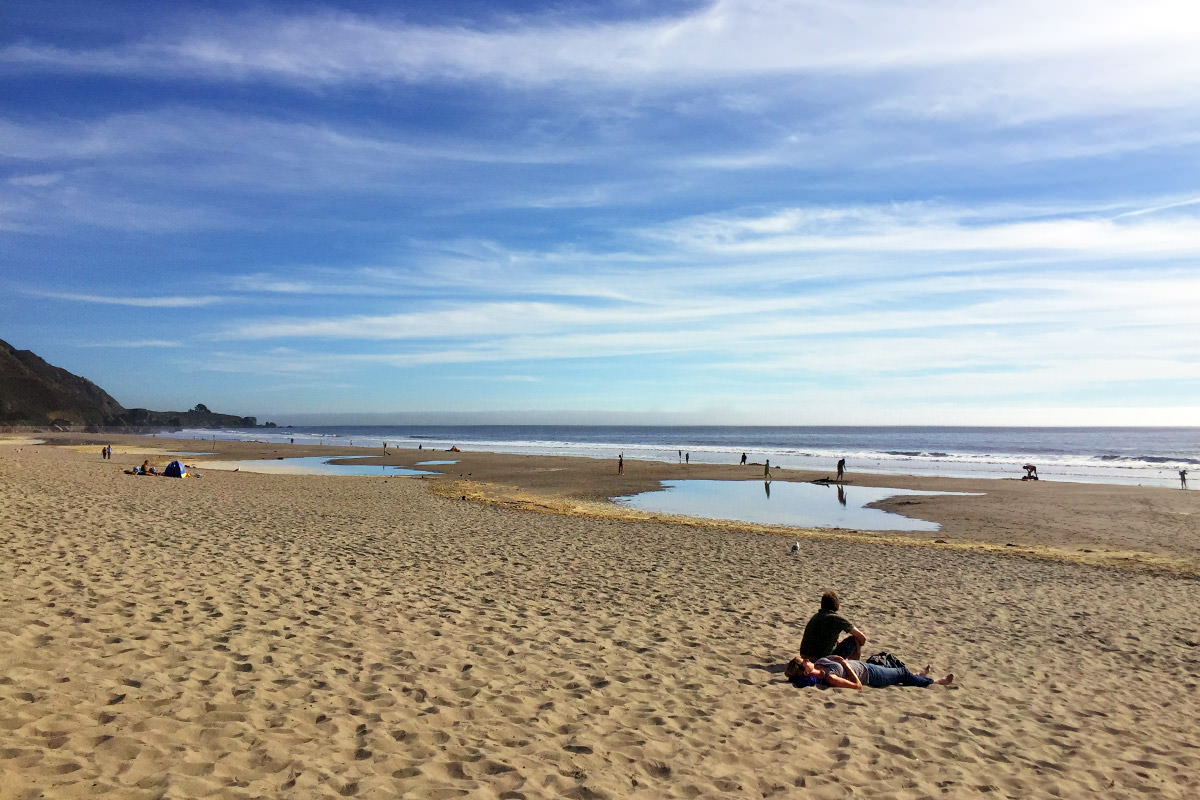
(841, 673)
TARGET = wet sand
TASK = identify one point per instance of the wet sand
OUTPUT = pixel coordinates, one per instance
(244, 635)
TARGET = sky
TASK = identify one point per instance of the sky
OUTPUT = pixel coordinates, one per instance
(854, 212)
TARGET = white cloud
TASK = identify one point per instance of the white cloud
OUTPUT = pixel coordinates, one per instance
(1022, 57)
(137, 302)
(134, 343)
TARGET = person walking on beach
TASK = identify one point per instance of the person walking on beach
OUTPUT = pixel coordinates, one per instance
(743, 459)
(687, 458)
(821, 632)
(1183, 479)
(841, 468)
(621, 464)
(767, 470)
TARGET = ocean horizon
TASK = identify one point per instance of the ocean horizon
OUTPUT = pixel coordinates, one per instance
(1121, 455)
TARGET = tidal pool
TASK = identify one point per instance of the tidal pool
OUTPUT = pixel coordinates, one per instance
(308, 465)
(431, 463)
(801, 505)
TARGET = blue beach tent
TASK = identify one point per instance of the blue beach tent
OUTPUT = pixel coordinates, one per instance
(175, 469)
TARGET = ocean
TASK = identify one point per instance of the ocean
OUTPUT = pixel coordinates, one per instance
(1138, 456)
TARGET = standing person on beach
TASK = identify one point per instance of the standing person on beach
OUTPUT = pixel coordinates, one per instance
(1183, 479)
(767, 470)
(841, 468)
(743, 459)
(821, 632)
(621, 464)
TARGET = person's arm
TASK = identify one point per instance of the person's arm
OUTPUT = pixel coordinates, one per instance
(859, 636)
(850, 682)
(842, 683)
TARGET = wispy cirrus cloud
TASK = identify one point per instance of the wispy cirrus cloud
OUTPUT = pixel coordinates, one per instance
(923, 201)
(177, 301)
(936, 248)
(135, 344)
(965, 56)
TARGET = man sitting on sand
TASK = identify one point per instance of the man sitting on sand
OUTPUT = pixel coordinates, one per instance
(821, 632)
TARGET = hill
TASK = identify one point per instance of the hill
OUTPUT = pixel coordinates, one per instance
(35, 392)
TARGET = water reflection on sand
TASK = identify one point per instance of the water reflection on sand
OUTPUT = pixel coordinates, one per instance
(802, 505)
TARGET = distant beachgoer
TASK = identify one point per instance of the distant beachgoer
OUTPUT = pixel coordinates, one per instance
(842, 673)
(621, 464)
(103, 453)
(680, 456)
(1183, 479)
(291, 441)
(767, 470)
(821, 632)
(743, 459)
(841, 468)
(1030, 472)
(687, 458)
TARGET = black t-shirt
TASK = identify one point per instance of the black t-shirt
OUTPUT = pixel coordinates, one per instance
(821, 633)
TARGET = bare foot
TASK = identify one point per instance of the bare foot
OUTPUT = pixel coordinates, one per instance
(925, 672)
(946, 681)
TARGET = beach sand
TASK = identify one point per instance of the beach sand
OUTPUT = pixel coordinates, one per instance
(242, 635)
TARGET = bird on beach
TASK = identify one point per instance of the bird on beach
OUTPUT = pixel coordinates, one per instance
(795, 547)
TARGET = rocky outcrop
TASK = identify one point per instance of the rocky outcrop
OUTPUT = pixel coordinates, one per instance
(34, 392)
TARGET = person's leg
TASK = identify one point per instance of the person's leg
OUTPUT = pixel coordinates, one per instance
(879, 677)
(847, 648)
(912, 679)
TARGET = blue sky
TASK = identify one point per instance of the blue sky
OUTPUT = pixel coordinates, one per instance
(741, 212)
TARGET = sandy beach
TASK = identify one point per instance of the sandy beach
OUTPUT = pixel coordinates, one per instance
(243, 635)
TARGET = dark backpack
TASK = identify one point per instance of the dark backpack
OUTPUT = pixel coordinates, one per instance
(885, 659)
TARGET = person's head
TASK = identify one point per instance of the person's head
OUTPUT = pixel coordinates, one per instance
(829, 602)
(801, 667)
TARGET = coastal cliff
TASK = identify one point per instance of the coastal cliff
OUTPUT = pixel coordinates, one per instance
(35, 392)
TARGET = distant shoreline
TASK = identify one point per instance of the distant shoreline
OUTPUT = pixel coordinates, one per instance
(1088, 523)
